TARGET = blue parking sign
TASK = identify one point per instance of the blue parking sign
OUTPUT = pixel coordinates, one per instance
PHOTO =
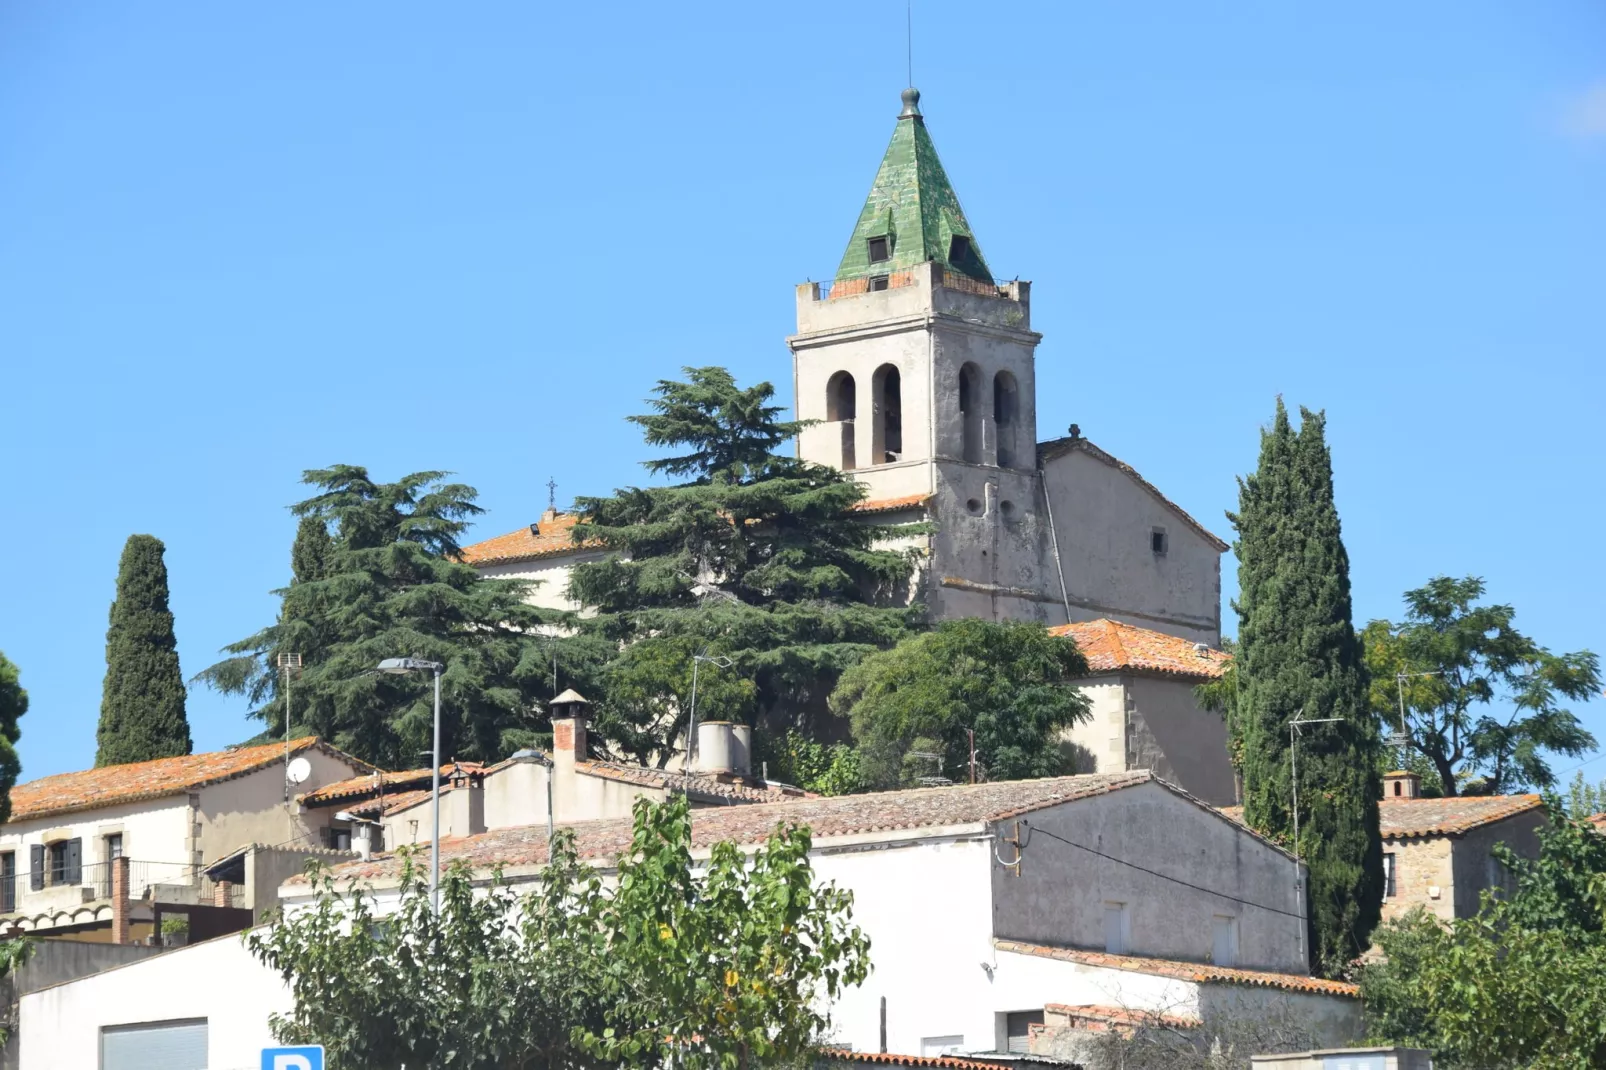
(308, 1058)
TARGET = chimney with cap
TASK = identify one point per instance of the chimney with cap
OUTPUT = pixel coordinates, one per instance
(568, 748)
(465, 804)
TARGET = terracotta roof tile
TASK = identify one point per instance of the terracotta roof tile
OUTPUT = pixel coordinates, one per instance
(91, 789)
(1096, 1015)
(690, 783)
(1404, 818)
(552, 536)
(1060, 446)
(375, 782)
(948, 1062)
(892, 505)
(828, 816)
(1111, 646)
(1598, 820)
(1201, 972)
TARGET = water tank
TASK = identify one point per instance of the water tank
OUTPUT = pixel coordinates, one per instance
(716, 742)
(742, 749)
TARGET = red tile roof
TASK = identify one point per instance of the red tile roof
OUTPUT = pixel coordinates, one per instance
(1405, 818)
(949, 1062)
(1111, 646)
(1058, 447)
(1401, 819)
(375, 782)
(552, 536)
(690, 783)
(892, 505)
(1096, 1017)
(1598, 820)
(841, 815)
(1201, 972)
(67, 793)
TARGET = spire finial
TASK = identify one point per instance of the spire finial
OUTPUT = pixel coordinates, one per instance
(911, 104)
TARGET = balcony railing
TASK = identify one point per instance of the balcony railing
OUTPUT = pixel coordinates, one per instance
(177, 883)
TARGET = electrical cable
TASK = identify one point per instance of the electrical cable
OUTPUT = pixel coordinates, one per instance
(1162, 876)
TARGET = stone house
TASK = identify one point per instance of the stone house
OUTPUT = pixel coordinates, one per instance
(1437, 853)
(1144, 714)
(161, 823)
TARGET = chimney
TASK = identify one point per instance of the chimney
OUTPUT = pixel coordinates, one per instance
(223, 894)
(568, 747)
(465, 805)
(1401, 784)
(716, 747)
(119, 900)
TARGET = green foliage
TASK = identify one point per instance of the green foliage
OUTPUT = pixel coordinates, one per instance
(823, 768)
(142, 698)
(1518, 985)
(727, 967)
(1298, 656)
(389, 584)
(1480, 659)
(13, 704)
(758, 558)
(1010, 682)
(1584, 798)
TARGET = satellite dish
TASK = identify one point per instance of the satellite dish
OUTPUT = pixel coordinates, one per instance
(298, 770)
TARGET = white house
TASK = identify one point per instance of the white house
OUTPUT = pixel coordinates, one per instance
(167, 819)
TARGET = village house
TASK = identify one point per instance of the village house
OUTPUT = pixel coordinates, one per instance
(984, 904)
(1144, 713)
(104, 854)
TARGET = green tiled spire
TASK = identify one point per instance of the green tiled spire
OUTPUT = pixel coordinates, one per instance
(913, 206)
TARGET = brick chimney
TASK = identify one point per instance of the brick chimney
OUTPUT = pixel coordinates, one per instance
(120, 901)
(568, 747)
(1401, 784)
(223, 894)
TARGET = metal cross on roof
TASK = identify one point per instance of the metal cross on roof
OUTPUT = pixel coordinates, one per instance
(552, 494)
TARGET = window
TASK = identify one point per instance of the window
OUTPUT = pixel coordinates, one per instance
(114, 847)
(958, 249)
(887, 438)
(970, 414)
(880, 249)
(1117, 928)
(66, 862)
(171, 1045)
(950, 1045)
(879, 282)
(1018, 1029)
(337, 839)
(1006, 413)
(1389, 869)
(36, 866)
(841, 402)
(1158, 542)
(8, 882)
(1225, 940)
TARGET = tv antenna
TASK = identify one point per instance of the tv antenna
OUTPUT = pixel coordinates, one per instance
(289, 668)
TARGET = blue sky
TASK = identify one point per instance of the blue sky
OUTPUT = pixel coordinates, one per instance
(240, 242)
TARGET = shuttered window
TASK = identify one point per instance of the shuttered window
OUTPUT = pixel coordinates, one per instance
(1018, 1028)
(154, 1046)
(8, 882)
(36, 866)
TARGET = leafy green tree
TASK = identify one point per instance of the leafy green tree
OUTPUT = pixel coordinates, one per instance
(142, 697)
(1518, 985)
(1298, 656)
(757, 557)
(391, 584)
(823, 768)
(13, 704)
(1482, 700)
(1009, 682)
(1585, 799)
(716, 967)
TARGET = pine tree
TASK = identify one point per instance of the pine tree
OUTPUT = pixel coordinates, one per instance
(1299, 656)
(13, 704)
(389, 583)
(142, 702)
(758, 558)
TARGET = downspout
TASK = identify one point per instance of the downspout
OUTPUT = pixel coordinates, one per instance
(1054, 540)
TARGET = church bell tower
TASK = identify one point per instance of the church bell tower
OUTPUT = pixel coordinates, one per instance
(919, 367)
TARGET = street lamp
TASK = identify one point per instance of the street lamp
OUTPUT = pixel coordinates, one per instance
(401, 667)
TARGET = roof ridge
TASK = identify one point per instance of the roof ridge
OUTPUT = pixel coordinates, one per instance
(1056, 447)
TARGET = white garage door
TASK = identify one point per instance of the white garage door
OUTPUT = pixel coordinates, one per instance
(154, 1046)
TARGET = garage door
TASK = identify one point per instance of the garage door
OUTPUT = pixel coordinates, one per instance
(154, 1046)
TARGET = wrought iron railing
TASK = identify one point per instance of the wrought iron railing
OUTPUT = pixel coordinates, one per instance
(893, 280)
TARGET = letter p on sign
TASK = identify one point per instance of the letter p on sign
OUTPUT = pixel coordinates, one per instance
(308, 1058)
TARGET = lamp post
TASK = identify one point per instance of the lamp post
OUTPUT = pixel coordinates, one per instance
(1293, 770)
(400, 667)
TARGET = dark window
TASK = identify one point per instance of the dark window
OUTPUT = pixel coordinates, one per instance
(67, 862)
(880, 249)
(958, 249)
(337, 839)
(1157, 541)
(1018, 1028)
(114, 847)
(8, 882)
(879, 282)
(36, 866)
(1388, 876)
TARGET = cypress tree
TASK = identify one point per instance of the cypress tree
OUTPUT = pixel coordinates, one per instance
(1299, 656)
(13, 704)
(142, 699)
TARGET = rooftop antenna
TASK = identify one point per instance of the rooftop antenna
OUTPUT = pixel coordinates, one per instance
(290, 667)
